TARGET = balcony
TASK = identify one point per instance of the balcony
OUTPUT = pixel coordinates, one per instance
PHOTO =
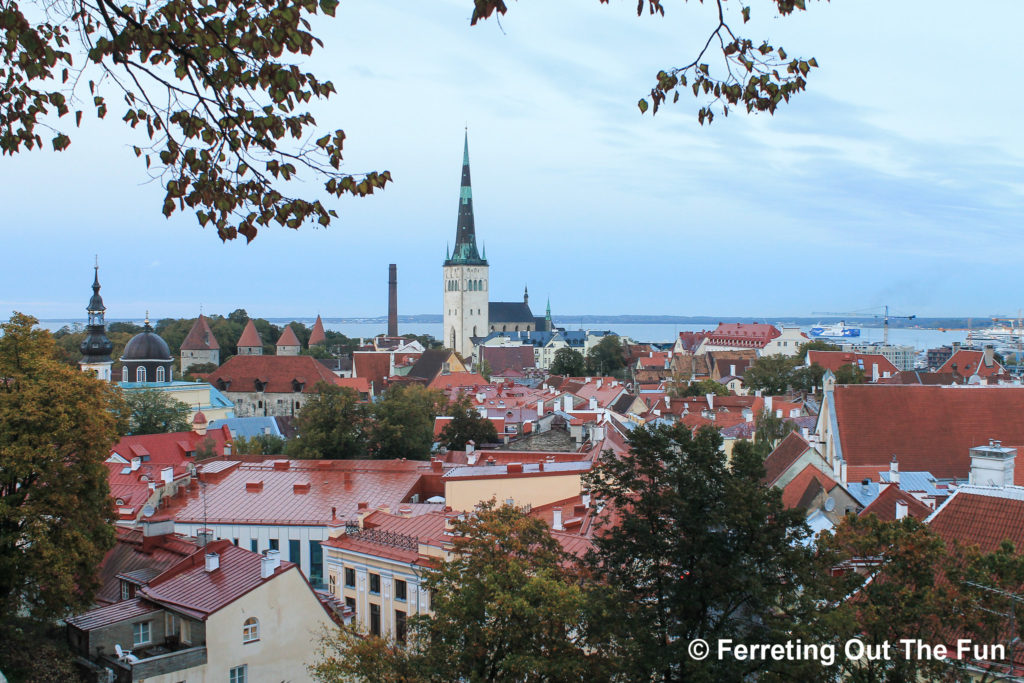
(155, 661)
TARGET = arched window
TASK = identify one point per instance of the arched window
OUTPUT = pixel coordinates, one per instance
(251, 630)
(160, 374)
(140, 374)
(124, 374)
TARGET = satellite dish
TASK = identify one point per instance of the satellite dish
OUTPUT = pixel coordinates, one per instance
(148, 510)
(830, 504)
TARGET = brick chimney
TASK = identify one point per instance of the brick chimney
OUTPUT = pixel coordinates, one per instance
(393, 300)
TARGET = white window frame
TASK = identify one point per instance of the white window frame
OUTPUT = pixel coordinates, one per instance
(251, 630)
(160, 374)
(142, 633)
(239, 674)
(140, 374)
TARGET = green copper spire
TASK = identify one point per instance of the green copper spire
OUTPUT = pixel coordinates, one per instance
(465, 251)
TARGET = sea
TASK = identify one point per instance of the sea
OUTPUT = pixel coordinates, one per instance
(920, 338)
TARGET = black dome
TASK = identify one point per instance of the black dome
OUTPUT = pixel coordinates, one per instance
(146, 345)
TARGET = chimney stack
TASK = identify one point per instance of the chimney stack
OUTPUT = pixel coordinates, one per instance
(556, 522)
(894, 472)
(992, 465)
(990, 355)
(393, 300)
(266, 567)
(212, 562)
(901, 509)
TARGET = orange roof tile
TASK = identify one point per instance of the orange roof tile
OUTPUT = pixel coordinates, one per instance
(278, 373)
(250, 335)
(971, 363)
(784, 455)
(288, 337)
(200, 337)
(795, 489)
(317, 336)
(884, 506)
(982, 516)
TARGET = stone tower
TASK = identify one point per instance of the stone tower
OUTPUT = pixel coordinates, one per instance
(465, 277)
(96, 347)
(200, 346)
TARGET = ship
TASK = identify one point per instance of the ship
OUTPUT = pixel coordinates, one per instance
(837, 330)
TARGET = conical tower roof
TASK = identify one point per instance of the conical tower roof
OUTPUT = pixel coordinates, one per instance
(465, 252)
(317, 336)
(200, 337)
(288, 337)
(250, 337)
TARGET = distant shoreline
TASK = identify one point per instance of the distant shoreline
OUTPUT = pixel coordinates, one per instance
(592, 320)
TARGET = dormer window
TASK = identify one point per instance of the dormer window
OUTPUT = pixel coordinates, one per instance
(260, 386)
(223, 385)
(297, 385)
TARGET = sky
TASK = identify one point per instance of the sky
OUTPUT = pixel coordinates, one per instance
(897, 177)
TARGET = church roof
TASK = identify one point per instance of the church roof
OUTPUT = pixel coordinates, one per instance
(250, 337)
(288, 337)
(146, 345)
(96, 301)
(200, 337)
(509, 312)
(465, 252)
(317, 336)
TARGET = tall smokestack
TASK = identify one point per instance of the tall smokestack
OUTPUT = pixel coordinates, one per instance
(393, 300)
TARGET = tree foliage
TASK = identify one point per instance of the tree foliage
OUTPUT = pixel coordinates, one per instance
(151, 411)
(260, 444)
(729, 71)
(607, 357)
(684, 389)
(332, 425)
(57, 426)
(506, 606)
(466, 424)
(221, 110)
(849, 374)
(770, 374)
(403, 422)
(568, 362)
(701, 549)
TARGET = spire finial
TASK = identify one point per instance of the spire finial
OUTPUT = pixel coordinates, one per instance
(147, 317)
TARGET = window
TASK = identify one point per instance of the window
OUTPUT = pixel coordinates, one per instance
(251, 630)
(400, 626)
(239, 674)
(350, 577)
(124, 373)
(375, 584)
(399, 590)
(140, 374)
(274, 544)
(254, 545)
(160, 374)
(350, 602)
(293, 551)
(316, 564)
(140, 633)
(126, 590)
(374, 619)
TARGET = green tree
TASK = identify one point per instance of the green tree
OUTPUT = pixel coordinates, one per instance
(214, 87)
(814, 345)
(606, 357)
(699, 388)
(506, 607)
(403, 424)
(151, 411)
(466, 424)
(771, 430)
(56, 514)
(260, 444)
(741, 73)
(705, 551)
(568, 362)
(807, 379)
(771, 374)
(849, 374)
(332, 425)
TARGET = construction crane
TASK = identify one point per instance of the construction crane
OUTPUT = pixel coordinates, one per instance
(885, 315)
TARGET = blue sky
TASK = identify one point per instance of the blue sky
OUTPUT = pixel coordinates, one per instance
(898, 178)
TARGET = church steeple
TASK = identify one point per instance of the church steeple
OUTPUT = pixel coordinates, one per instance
(465, 251)
(96, 347)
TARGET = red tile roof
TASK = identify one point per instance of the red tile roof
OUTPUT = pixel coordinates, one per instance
(754, 335)
(784, 455)
(240, 373)
(132, 552)
(288, 337)
(426, 528)
(971, 363)
(691, 340)
(504, 358)
(833, 360)
(795, 490)
(250, 336)
(928, 428)
(112, 614)
(457, 379)
(374, 366)
(200, 337)
(317, 336)
(187, 585)
(982, 516)
(267, 493)
(884, 506)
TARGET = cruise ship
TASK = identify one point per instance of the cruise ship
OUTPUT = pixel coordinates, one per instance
(837, 330)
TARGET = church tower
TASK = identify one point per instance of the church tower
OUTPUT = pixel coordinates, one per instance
(465, 277)
(96, 347)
